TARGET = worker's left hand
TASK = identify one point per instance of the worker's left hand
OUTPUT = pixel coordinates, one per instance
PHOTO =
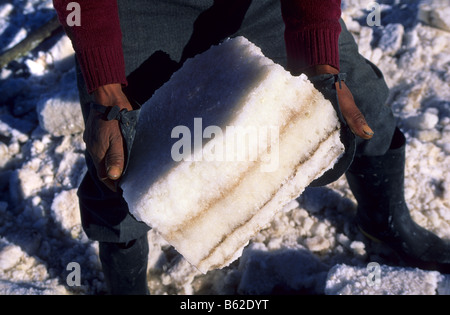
(103, 138)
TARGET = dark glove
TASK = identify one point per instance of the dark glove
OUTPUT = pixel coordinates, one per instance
(328, 84)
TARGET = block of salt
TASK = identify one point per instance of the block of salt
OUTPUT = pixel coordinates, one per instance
(221, 147)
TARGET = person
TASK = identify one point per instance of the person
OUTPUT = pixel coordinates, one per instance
(127, 49)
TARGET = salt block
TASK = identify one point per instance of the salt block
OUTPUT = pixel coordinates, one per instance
(223, 146)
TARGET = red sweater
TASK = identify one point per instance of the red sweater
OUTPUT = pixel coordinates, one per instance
(311, 37)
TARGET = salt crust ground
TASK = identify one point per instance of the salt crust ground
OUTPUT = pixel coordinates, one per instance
(311, 247)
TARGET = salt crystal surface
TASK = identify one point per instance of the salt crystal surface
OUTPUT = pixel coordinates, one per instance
(61, 117)
(381, 280)
(436, 13)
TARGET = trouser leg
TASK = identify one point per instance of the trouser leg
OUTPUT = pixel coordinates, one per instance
(370, 91)
(125, 266)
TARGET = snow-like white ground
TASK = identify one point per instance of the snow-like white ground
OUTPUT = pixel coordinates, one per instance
(311, 247)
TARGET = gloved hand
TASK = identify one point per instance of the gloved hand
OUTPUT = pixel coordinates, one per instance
(352, 115)
(350, 112)
(103, 138)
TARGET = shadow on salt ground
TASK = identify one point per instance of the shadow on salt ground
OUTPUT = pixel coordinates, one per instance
(30, 223)
(282, 272)
(40, 236)
(402, 12)
(323, 203)
(21, 92)
(29, 21)
(326, 204)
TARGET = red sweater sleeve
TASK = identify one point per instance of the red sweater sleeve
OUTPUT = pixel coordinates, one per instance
(97, 41)
(311, 33)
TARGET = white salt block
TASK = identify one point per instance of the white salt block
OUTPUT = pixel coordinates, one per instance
(223, 146)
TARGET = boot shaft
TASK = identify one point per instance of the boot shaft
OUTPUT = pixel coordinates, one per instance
(393, 161)
(377, 183)
(125, 266)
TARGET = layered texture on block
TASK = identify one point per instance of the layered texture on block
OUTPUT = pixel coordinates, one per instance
(224, 145)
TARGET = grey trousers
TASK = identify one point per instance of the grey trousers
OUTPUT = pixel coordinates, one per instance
(158, 35)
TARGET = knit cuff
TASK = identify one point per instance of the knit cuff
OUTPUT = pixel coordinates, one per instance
(312, 47)
(101, 66)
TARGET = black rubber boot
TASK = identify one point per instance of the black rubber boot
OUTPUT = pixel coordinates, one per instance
(377, 182)
(125, 266)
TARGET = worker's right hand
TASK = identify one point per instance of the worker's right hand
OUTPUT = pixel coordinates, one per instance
(352, 115)
(350, 111)
(103, 138)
